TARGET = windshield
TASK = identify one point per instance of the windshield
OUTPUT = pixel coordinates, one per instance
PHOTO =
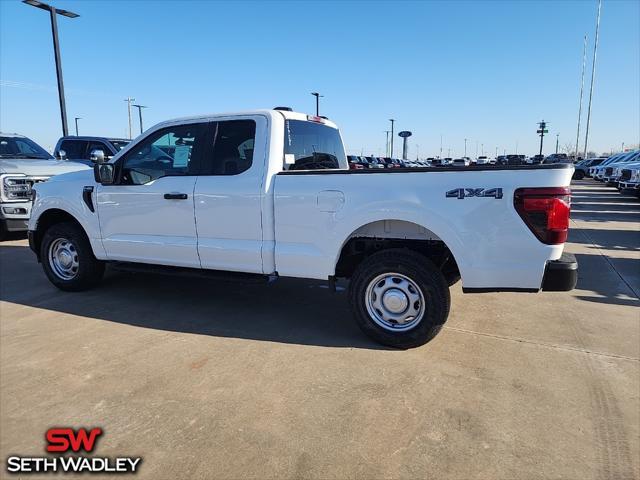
(21, 147)
(120, 144)
(313, 146)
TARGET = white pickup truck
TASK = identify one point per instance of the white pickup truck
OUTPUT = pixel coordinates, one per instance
(269, 193)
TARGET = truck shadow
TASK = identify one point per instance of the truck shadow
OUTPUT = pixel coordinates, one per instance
(617, 283)
(291, 311)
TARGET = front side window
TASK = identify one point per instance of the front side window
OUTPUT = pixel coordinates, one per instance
(313, 146)
(169, 152)
(119, 144)
(233, 147)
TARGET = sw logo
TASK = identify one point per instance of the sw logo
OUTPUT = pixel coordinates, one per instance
(67, 440)
(462, 193)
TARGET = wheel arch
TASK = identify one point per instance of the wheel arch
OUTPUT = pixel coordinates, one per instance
(388, 233)
(46, 220)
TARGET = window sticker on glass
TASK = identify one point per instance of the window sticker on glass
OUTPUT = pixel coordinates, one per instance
(181, 156)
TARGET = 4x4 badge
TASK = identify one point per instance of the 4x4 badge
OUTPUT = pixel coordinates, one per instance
(462, 193)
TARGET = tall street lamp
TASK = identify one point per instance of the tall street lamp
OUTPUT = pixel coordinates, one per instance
(392, 120)
(56, 48)
(77, 118)
(140, 107)
(317, 95)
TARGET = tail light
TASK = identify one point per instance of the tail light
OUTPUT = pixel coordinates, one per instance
(545, 211)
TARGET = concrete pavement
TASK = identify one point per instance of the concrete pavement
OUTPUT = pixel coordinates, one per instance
(209, 380)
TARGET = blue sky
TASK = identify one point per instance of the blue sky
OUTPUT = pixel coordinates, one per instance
(485, 71)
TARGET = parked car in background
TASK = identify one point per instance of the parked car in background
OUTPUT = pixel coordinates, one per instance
(596, 171)
(374, 163)
(482, 160)
(536, 159)
(24, 163)
(291, 208)
(501, 159)
(605, 169)
(629, 182)
(582, 167)
(79, 149)
(354, 162)
(557, 158)
(460, 162)
(613, 170)
(516, 159)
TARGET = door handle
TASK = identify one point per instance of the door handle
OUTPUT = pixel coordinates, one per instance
(175, 196)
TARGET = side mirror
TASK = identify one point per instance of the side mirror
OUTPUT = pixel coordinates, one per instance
(104, 173)
(97, 156)
(62, 155)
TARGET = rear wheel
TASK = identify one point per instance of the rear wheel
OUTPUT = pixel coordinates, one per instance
(578, 175)
(67, 258)
(399, 298)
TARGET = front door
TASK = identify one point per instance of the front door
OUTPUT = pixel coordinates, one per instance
(148, 215)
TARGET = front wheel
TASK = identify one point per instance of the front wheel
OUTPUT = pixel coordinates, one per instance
(578, 175)
(399, 298)
(67, 258)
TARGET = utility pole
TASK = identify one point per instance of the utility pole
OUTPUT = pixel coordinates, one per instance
(557, 139)
(129, 100)
(77, 118)
(584, 62)
(386, 151)
(542, 130)
(56, 50)
(392, 120)
(317, 95)
(140, 107)
(593, 75)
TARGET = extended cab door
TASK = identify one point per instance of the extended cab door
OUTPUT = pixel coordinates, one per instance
(228, 196)
(148, 214)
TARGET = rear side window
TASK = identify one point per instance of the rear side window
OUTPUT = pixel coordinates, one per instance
(75, 148)
(232, 148)
(313, 146)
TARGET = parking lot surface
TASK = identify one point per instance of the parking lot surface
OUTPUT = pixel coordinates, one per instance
(208, 379)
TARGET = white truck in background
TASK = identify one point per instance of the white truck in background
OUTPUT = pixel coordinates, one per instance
(23, 163)
(269, 193)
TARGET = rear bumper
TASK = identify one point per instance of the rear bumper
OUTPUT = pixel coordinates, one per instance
(561, 275)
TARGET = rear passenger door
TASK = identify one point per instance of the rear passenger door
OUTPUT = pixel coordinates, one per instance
(228, 196)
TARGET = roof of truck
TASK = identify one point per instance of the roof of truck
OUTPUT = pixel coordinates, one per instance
(290, 115)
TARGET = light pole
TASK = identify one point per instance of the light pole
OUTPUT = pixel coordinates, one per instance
(557, 140)
(417, 152)
(392, 120)
(593, 76)
(465, 147)
(77, 118)
(140, 107)
(317, 95)
(129, 100)
(386, 151)
(476, 149)
(56, 49)
(440, 146)
(482, 149)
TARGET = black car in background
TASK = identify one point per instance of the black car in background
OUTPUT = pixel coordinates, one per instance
(79, 148)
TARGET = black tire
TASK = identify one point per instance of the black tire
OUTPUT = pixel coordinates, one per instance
(578, 175)
(419, 270)
(3, 230)
(89, 270)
